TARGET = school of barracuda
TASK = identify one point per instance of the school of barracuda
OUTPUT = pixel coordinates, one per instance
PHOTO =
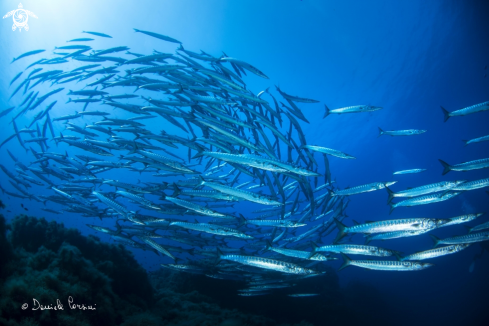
(240, 148)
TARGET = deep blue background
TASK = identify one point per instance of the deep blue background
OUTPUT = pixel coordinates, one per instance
(408, 57)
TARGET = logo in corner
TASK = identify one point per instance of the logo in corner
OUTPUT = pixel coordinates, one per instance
(20, 17)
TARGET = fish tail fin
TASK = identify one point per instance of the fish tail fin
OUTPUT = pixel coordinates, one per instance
(341, 230)
(381, 132)
(199, 154)
(326, 112)
(397, 254)
(446, 167)
(392, 207)
(202, 181)
(242, 220)
(314, 246)
(117, 225)
(346, 261)
(435, 240)
(466, 142)
(368, 238)
(391, 195)
(268, 246)
(446, 114)
(176, 190)
(219, 255)
(469, 229)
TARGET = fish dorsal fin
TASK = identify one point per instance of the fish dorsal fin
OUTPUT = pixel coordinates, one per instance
(369, 221)
(410, 187)
(355, 222)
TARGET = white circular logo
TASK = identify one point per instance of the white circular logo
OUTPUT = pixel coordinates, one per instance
(20, 17)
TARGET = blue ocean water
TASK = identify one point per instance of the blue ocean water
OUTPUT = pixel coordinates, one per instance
(408, 57)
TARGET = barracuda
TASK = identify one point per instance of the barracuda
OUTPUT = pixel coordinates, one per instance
(424, 190)
(273, 223)
(466, 166)
(408, 224)
(213, 229)
(363, 188)
(383, 265)
(395, 235)
(408, 132)
(354, 250)
(299, 253)
(204, 193)
(243, 194)
(197, 208)
(112, 204)
(461, 219)
(410, 171)
(350, 109)
(266, 263)
(461, 239)
(423, 200)
(476, 140)
(433, 253)
(468, 110)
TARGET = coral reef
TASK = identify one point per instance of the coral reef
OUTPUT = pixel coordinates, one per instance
(48, 262)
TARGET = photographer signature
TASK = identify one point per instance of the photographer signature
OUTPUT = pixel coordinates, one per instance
(58, 306)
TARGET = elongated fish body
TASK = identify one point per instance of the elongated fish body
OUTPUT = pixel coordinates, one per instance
(135, 198)
(461, 219)
(196, 208)
(423, 200)
(98, 34)
(329, 151)
(466, 166)
(208, 194)
(295, 98)
(384, 265)
(460, 239)
(213, 229)
(156, 246)
(350, 109)
(243, 160)
(267, 263)
(363, 188)
(112, 204)
(479, 227)
(300, 254)
(245, 65)
(476, 140)
(394, 235)
(407, 224)
(161, 37)
(289, 167)
(276, 223)
(407, 132)
(353, 249)
(424, 190)
(468, 110)
(303, 295)
(410, 171)
(438, 252)
(471, 185)
(27, 54)
(246, 195)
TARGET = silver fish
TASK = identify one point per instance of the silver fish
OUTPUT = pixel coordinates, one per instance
(384, 265)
